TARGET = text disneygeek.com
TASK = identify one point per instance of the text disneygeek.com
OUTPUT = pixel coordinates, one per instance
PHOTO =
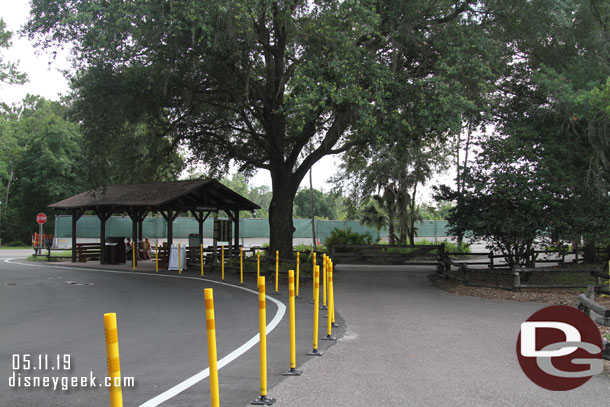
(24, 366)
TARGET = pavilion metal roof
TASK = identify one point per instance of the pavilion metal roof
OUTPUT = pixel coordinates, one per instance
(203, 194)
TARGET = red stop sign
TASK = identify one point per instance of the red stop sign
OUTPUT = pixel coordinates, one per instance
(41, 218)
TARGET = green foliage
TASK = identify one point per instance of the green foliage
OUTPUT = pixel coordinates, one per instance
(260, 195)
(347, 237)
(450, 247)
(326, 205)
(44, 164)
(543, 176)
(307, 248)
(439, 212)
(8, 70)
(260, 84)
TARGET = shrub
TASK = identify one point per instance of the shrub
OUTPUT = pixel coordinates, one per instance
(347, 237)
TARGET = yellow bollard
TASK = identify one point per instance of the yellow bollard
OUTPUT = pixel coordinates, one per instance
(258, 265)
(329, 322)
(313, 271)
(324, 276)
(293, 352)
(212, 354)
(179, 259)
(241, 266)
(133, 255)
(332, 288)
(222, 261)
(201, 258)
(298, 277)
(156, 256)
(277, 272)
(316, 312)
(114, 364)
(262, 323)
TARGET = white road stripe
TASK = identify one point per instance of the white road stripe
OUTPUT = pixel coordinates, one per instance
(180, 387)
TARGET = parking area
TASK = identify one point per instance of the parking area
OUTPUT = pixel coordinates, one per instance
(53, 309)
(401, 341)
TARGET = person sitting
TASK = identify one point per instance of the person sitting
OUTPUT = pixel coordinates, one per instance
(128, 248)
(144, 250)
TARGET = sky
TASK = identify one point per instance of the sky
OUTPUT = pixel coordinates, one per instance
(46, 79)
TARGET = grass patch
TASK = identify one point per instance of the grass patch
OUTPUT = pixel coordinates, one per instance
(55, 256)
(16, 247)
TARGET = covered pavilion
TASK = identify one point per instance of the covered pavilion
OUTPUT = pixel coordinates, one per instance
(199, 197)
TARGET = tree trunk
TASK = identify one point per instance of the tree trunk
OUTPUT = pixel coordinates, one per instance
(281, 229)
(313, 214)
(391, 230)
(413, 210)
(590, 256)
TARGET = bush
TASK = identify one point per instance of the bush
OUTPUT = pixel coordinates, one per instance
(450, 247)
(347, 237)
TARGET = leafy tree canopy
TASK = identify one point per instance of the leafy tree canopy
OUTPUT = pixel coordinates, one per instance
(8, 70)
(272, 85)
(46, 165)
(326, 205)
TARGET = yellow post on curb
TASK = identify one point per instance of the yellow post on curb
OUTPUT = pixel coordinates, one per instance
(293, 352)
(258, 265)
(329, 322)
(212, 354)
(262, 399)
(324, 276)
(133, 256)
(332, 289)
(201, 258)
(179, 259)
(316, 312)
(156, 256)
(241, 266)
(298, 277)
(222, 260)
(313, 272)
(277, 272)
(114, 364)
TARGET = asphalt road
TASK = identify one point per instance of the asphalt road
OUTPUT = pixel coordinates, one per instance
(411, 344)
(405, 343)
(161, 329)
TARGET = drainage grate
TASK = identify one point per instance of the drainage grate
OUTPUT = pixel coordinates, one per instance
(10, 284)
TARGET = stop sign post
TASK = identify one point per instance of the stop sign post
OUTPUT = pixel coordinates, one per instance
(41, 219)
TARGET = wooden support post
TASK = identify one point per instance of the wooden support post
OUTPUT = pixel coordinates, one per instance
(103, 215)
(140, 227)
(76, 214)
(236, 234)
(134, 232)
(170, 228)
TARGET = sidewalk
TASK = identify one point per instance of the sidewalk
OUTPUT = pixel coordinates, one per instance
(411, 344)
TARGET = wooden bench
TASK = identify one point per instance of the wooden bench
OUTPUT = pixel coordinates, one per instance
(87, 251)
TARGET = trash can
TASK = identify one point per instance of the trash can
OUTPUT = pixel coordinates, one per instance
(194, 240)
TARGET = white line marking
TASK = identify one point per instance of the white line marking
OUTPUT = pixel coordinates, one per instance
(180, 387)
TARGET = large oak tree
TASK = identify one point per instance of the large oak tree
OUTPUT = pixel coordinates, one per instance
(273, 85)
